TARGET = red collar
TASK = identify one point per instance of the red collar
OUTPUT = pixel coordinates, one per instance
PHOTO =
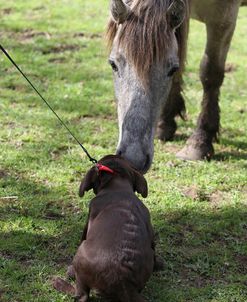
(104, 168)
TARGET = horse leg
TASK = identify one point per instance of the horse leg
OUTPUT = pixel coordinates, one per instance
(219, 34)
(174, 106)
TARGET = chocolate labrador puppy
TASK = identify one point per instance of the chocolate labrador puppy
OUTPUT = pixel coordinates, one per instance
(117, 252)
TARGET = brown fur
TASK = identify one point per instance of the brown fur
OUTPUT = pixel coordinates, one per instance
(117, 252)
(145, 35)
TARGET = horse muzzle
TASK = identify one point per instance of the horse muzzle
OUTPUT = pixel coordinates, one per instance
(138, 156)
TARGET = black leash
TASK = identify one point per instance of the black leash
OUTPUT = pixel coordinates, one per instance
(93, 160)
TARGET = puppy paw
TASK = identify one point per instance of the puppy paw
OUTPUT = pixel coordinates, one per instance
(63, 286)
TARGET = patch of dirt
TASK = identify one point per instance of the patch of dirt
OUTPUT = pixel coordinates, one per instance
(172, 164)
(192, 279)
(39, 8)
(17, 87)
(85, 116)
(26, 36)
(244, 191)
(242, 111)
(171, 148)
(242, 261)
(191, 192)
(61, 48)
(94, 36)
(59, 209)
(6, 255)
(196, 193)
(72, 208)
(6, 11)
(63, 260)
(24, 259)
(57, 152)
(1, 293)
(8, 200)
(52, 215)
(10, 125)
(29, 34)
(218, 196)
(57, 60)
(215, 198)
(90, 36)
(79, 35)
(230, 67)
(17, 144)
(3, 174)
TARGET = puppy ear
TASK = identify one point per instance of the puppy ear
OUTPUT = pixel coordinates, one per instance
(140, 184)
(89, 181)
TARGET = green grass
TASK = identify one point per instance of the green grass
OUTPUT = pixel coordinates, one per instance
(199, 210)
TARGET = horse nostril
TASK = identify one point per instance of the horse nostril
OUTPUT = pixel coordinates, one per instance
(139, 160)
(119, 152)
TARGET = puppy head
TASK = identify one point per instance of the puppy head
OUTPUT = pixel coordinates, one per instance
(97, 180)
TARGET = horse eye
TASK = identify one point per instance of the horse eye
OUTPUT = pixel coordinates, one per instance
(113, 65)
(173, 70)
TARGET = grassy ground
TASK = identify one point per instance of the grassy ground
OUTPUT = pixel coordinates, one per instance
(198, 209)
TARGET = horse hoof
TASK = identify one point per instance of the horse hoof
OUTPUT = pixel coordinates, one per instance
(165, 132)
(193, 152)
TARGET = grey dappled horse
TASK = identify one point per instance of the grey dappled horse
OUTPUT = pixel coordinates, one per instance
(148, 48)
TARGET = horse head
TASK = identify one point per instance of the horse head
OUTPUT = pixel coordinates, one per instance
(144, 57)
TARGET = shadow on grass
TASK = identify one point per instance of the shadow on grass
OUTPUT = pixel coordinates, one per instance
(204, 248)
(39, 224)
(204, 254)
(235, 143)
(228, 140)
(204, 251)
(223, 155)
(39, 235)
(234, 155)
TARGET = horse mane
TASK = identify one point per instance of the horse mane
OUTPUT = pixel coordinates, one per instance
(146, 34)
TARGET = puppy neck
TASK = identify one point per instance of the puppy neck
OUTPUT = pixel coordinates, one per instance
(117, 183)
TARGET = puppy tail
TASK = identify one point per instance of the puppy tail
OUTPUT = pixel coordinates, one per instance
(63, 286)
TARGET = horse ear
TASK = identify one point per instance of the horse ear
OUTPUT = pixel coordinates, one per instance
(177, 12)
(119, 10)
(140, 184)
(89, 181)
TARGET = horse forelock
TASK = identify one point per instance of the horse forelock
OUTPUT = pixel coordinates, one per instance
(145, 36)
